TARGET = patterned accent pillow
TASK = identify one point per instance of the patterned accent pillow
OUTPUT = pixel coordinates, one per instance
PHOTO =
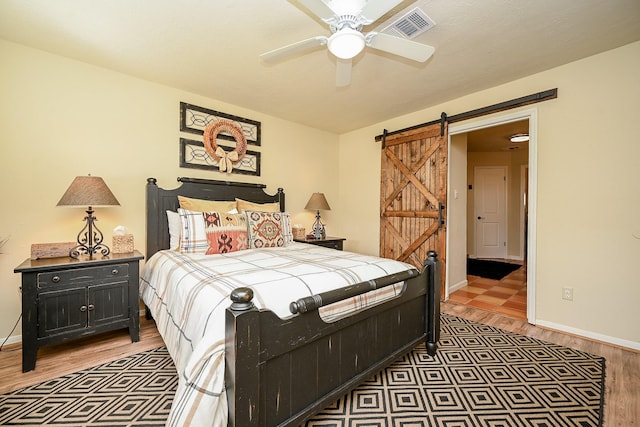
(265, 229)
(226, 232)
(212, 232)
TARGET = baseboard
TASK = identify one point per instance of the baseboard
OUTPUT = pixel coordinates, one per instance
(632, 345)
(459, 285)
(12, 339)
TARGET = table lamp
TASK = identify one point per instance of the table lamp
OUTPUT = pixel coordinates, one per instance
(89, 191)
(318, 202)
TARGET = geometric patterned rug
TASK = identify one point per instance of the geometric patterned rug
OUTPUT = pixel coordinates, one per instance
(480, 376)
(133, 391)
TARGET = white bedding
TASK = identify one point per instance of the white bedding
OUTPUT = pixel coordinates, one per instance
(188, 296)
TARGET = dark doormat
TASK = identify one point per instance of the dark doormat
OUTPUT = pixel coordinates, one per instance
(489, 269)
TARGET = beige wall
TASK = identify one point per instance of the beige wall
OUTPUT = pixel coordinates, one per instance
(588, 203)
(61, 118)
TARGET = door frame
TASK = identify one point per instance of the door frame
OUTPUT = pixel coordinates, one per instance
(497, 119)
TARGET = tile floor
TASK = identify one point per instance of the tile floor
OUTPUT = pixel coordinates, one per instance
(507, 296)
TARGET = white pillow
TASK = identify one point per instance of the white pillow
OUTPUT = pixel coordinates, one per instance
(174, 229)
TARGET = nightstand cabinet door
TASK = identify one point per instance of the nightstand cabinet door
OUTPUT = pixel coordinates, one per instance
(60, 311)
(108, 303)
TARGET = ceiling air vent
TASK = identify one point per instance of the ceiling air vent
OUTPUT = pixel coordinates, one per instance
(410, 25)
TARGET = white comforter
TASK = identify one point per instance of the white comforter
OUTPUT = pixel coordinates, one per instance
(188, 296)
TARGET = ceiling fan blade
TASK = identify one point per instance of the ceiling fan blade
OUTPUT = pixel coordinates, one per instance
(343, 72)
(401, 47)
(374, 9)
(292, 49)
(319, 8)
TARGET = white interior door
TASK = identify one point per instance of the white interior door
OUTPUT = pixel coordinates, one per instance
(490, 203)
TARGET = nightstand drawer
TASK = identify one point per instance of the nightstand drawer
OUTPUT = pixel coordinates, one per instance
(336, 244)
(329, 242)
(76, 276)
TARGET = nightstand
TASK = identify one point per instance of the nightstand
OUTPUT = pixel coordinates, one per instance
(329, 242)
(66, 298)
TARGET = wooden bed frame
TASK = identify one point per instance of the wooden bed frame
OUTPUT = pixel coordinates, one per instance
(282, 372)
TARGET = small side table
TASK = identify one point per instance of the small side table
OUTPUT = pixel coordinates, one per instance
(66, 298)
(329, 242)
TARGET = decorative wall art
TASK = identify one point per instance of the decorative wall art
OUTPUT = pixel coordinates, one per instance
(215, 151)
(194, 119)
(194, 155)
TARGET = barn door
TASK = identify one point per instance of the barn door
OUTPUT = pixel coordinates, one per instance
(413, 195)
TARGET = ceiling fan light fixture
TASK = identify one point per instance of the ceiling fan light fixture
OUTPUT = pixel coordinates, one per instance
(519, 137)
(346, 43)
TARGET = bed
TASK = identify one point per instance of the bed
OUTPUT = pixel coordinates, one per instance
(280, 370)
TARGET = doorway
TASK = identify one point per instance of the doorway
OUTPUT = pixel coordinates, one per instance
(484, 146)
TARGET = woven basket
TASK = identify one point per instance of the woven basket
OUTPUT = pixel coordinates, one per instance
(122, 244)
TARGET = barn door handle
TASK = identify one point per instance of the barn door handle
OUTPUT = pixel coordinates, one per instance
(441, 214)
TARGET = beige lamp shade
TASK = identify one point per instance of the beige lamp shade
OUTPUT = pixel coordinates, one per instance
(318, 202)
(88, 191)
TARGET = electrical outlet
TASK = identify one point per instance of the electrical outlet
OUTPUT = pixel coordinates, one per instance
(567, 293)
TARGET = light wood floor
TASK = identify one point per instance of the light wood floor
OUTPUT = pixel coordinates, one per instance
(622, 387)
(72, 356)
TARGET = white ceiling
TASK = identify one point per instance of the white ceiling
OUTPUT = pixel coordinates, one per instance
(211, 47)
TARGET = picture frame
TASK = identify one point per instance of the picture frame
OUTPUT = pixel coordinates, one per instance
(194, 119)
(193, 155)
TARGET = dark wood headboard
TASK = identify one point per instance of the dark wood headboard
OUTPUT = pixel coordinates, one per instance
(160, 200)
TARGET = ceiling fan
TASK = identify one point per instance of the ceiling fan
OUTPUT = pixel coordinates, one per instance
(346, 19)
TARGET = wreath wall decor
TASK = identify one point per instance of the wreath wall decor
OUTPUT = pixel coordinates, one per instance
(225, 159)
(215, 149)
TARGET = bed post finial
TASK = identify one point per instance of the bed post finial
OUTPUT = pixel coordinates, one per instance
(242, 299)
(152, 181)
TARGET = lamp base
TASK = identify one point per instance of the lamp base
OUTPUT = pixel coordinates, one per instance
(318, 231)
(89, 239)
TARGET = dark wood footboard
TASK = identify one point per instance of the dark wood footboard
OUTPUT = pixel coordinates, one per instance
(280, 372)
